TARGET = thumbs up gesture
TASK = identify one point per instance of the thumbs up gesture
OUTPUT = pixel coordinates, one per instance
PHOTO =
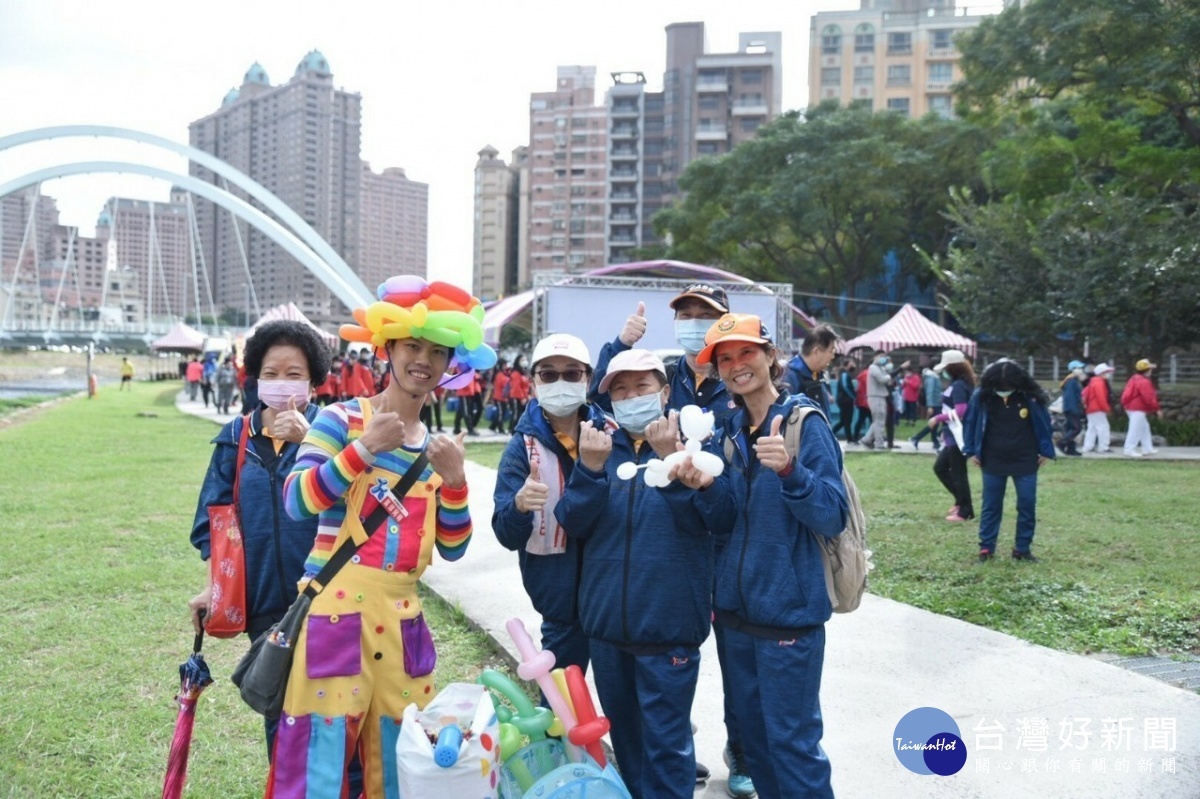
(385, 431)
(290, 425)
(770, 448)
(533, 494)
(447, 456)
(635, 326)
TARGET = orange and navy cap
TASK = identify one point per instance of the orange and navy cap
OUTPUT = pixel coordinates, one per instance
(732, 327)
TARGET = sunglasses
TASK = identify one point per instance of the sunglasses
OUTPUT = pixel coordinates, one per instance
(570, 375)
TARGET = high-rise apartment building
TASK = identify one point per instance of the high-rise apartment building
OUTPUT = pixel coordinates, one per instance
(394, 227)
(153, 240)
(892, 55)
(497, 210)
(714, 101)
(567, 158)
(301, 140)
(28, 218)
(634, 164)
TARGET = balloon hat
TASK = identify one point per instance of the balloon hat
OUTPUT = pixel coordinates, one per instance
(409, 307)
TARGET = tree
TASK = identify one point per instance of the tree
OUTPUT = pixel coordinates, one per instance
(820, 200)
(1143, 54)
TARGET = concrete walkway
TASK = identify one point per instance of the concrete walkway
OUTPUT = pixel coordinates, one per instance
(1022, 710)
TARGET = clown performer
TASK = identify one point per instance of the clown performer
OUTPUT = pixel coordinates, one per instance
(534, 470)
(365, 652)
(771, 595)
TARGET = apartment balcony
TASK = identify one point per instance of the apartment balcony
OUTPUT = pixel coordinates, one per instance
(623, 219)
(623, 241)
(622, 175)
(755, 109)
(711, 134)
(707, 85)
(624, 154)
(623, 195)
(624, 110)
(623, 132)
(938, 86)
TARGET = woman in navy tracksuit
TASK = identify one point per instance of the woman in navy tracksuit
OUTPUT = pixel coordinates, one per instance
(1007, 433)
(771, 594)
(645, 595)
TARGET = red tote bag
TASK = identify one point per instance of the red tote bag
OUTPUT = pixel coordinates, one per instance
(227, 559)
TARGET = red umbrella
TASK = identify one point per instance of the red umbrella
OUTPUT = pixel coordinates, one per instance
(193, 677)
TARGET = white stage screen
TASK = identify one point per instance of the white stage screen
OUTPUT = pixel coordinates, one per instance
(596, 314)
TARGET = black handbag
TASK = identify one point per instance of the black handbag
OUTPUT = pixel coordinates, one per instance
(262, 674)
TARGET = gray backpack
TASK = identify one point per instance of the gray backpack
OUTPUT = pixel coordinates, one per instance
(847, 559)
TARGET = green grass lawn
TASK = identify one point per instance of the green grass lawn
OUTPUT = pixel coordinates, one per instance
(10, 404)
(95, 573)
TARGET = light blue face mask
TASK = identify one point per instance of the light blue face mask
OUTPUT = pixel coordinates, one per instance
(636, 414)
(1004, 394)
(690, 334)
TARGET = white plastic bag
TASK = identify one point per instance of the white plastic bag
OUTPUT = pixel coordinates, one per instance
(474, 773)
(956, 428)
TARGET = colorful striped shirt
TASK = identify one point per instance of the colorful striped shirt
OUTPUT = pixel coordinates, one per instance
(331, 474)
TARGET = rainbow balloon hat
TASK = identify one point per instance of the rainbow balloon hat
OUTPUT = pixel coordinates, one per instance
(409, 307)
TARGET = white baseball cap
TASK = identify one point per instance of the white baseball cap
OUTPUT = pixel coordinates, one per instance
(1102, 369)
(561, 344)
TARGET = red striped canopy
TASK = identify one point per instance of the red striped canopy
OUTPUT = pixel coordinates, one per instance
(910, 328)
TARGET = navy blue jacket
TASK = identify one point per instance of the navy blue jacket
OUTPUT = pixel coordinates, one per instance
(771, 573)
(1072, 395)
(801, 380)
(648, 563)
(713, 395)
(552, 581)
(976, 422)
(276, 545)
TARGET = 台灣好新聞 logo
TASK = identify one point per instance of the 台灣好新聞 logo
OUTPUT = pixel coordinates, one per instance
(927, 741)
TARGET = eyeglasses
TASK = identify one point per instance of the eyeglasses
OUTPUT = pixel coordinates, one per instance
(570, 375)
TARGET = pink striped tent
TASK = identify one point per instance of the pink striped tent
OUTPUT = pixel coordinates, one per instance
(909, 328)
(290, 311)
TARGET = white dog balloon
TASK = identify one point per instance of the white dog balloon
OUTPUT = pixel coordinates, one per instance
(696, 425)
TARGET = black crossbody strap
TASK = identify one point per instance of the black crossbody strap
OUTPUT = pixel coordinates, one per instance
(347, 549)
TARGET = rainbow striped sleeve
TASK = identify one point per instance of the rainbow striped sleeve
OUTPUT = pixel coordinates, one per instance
(326, 465)
(453, 522)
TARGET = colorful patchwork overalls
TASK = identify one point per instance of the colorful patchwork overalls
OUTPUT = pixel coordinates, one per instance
(365, 652)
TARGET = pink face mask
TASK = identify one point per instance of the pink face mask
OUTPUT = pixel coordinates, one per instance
(278, 394)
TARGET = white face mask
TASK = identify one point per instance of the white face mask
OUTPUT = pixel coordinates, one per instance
(561, 398)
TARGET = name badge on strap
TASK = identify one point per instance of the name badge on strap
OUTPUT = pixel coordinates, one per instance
(388, 500)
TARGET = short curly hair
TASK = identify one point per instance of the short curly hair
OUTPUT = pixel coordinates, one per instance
(292, 333)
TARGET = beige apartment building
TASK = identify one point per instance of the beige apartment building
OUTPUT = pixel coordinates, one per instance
(497, 210)
(568, 137)
(394, 228)
(301, 140)
(152, 240)
(892, 55)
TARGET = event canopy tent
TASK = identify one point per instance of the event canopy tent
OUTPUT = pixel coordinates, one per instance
(909, 328)
(180, 338)
(290, 311)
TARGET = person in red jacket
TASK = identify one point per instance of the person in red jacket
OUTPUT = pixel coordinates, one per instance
(500, 395)
(518, 395)
(863, 417)
(330, 391)
(1096, 404)
(1139, 399)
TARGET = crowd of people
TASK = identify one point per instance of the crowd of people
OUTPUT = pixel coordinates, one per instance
(346, 486)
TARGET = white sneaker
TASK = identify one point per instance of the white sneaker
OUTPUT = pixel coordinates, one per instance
(1133, 454)
(1152, 452)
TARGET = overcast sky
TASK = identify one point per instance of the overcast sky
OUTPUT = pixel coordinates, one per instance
(439, 80)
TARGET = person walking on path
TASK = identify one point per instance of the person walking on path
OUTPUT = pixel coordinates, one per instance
(951, 464)
(534, 472)
(1097, 402)
(518, 392)
(771, 594)
(931, 393)
(844, 394)
(226, 380)
(862, 416)
(1072, 409)
(207, 380)
(470, 400)
(1139, 399)
(910, 388)
(365, 651)
(645, 594)
(126, 374)
(194, 372)
(879, 388)
(806, 371)
(695, 308)
(1007, 434)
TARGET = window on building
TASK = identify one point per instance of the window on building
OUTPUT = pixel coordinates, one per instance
(831, 40)
(864, 38)
(864, 74)
(707, 148)
(941, 105)
(709, 102)
(831, 76)
(942, 39)
(898, 105)
(750, 124)
(751, 77)
(899, 75)
(577, 225)
(941, 72)
(561, 224)
(899, 43)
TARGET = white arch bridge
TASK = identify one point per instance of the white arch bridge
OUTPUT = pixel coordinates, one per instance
(295, 236)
